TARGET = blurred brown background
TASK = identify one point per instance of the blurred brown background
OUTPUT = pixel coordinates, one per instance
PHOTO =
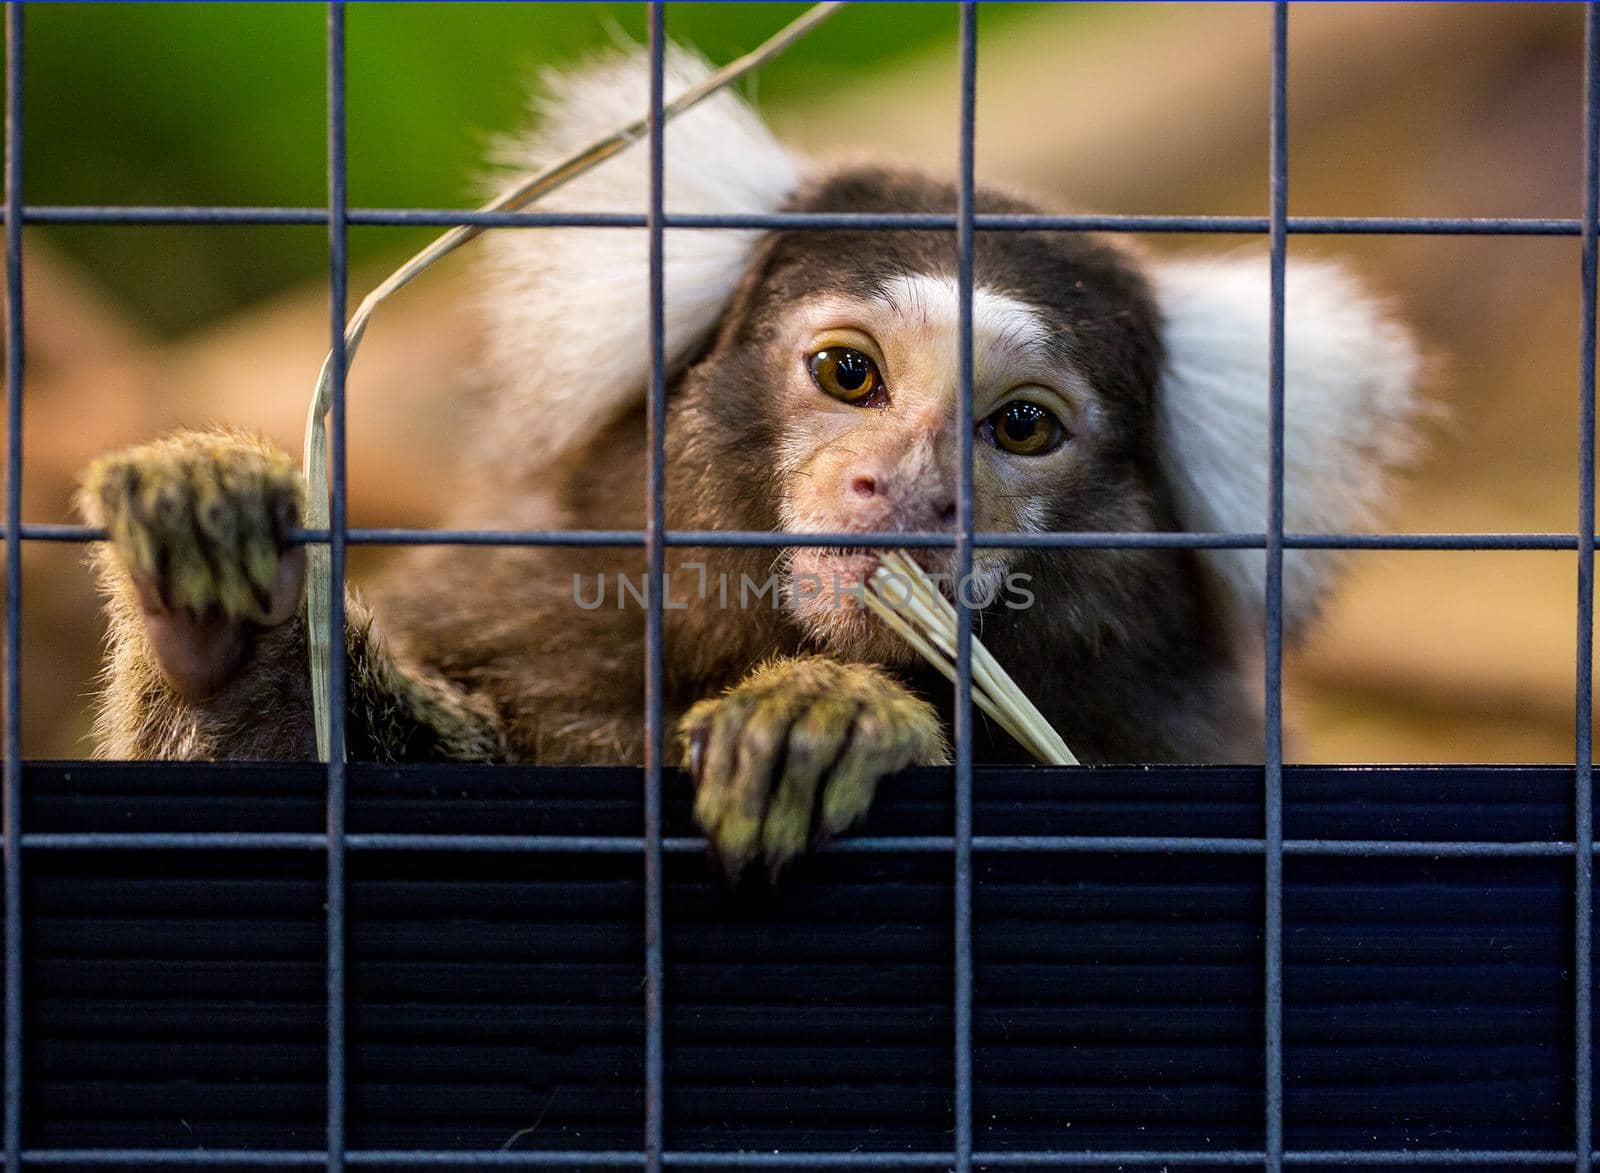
(1395, 109)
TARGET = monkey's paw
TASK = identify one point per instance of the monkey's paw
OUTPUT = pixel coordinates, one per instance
(793, 754)
(199, 521)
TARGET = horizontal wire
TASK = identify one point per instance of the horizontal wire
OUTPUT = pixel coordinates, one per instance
(812, 221)
(267, 1158)
(1062, 540)
(859, 845)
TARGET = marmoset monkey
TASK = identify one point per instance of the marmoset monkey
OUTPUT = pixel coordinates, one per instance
(812, 387)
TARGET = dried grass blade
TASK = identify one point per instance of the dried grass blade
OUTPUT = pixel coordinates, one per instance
(319, 586)
(936, 617)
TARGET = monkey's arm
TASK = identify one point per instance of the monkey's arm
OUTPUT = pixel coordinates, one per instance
(207, 648)
(794, 752)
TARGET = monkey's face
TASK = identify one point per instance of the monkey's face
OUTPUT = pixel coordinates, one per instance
(865, 422)
(828, 404)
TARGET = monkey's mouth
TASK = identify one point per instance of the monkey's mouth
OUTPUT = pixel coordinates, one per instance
(838, 574)
(832, 570)
(826, 592)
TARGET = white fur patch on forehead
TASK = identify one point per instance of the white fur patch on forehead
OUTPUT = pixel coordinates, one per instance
(1006, 333)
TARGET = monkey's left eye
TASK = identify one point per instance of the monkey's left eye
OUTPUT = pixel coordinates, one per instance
(1023, 429)
(848, 375)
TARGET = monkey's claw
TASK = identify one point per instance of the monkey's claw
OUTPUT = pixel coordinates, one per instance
(199, 522)
(793, 755)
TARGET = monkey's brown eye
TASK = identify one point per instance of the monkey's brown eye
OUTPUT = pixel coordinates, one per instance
(847, 375)
(1024, 429)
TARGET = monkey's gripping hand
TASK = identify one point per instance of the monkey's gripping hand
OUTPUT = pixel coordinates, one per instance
(793, 754)
(207, 647)
(199, 522)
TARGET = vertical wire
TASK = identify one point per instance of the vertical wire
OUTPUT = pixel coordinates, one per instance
(963, 702)
(655, 550)
(1273, 773)
(13, 652)
(1583, 812)
(338, 268)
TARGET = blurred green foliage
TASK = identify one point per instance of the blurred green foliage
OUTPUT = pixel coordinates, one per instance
(220, 103)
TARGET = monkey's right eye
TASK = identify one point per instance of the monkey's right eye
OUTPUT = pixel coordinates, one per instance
(848, 376)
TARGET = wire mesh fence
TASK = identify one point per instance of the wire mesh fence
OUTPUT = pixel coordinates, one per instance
(963, 841)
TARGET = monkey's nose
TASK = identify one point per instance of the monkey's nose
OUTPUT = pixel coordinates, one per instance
(897, 504)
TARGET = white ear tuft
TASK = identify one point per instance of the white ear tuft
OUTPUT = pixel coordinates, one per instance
(1350, 412)
(568, 308)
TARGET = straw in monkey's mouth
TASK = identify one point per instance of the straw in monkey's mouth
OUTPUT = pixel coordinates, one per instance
(912, 606)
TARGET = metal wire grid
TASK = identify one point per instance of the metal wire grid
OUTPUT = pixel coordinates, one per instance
(1272, 846)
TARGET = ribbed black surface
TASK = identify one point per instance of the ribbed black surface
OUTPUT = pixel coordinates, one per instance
(175, 998)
